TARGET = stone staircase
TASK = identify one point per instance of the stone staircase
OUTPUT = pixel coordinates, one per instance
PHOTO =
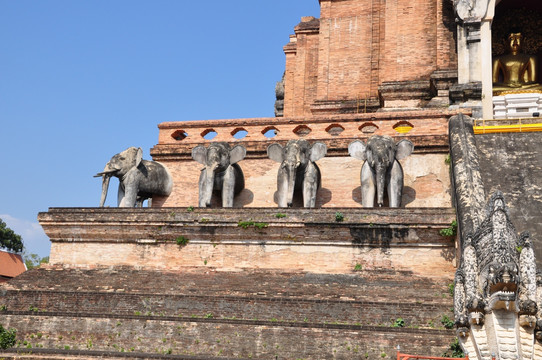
(203, 313)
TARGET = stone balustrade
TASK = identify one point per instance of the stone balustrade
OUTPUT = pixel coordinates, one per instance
(331, 129)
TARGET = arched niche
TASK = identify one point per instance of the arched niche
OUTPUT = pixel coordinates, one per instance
(474, 45)
(525, 15)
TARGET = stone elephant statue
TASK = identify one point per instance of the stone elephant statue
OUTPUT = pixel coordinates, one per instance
(298, 170)
(381, 170)
(138, 179)
(221, 172)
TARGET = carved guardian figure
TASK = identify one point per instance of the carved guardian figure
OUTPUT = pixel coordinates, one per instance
(496, 294)
(138, 179)
(381, 170)
(221, 172)
(298, 170)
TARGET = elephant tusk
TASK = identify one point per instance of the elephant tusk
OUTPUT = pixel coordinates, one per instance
(108, 172)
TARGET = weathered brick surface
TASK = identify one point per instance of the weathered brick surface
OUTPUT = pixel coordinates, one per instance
(247, 295)
(226, 338)
(427, 181)
(256, 314)
(426, 123)
(362, 44)
(304, 240)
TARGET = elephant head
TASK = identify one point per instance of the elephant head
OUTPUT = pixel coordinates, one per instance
(138, 179)
(381, 168)
(221, 171)
(297, 169)
(118, 166)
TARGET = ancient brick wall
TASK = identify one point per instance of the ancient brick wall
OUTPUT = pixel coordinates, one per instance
(254, 314)
(300, 240)
(427, 181)
(362, 44)
(301, 68)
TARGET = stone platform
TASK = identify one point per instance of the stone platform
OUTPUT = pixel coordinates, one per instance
(253, 238)
(205, 314)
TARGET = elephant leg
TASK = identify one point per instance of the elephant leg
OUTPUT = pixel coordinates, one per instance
(282, 188)
(130, 196)
(310, 186)
(120, 194)
(368, 186)
(395, 184)
(202, 188)
(228, 187)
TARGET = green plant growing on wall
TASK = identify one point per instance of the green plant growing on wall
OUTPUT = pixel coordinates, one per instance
(454, 350)
(339, 217)
(447, 322)
(190, 209)
(280, 215)
(181, 240)
(245, 224)
(261, 225)
(398, 323)
(450, 230)
(3, 308)
(448, 159)
(451, 289)
(7, 337)
(358, 267)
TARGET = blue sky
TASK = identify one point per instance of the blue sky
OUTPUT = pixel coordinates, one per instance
(83, 80)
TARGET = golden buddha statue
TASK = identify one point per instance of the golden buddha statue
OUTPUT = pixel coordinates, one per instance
(515, 72)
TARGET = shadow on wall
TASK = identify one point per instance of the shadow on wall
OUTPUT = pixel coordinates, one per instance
(409, 195)
(323, 197)
(244, 198)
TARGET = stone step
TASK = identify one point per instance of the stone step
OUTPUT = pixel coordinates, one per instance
(55, 354)
(364, 285)
(221, 338)
(311, 240)
(368, 298)
(228, 307)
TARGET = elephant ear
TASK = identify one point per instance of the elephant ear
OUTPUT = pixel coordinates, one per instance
(357, 149)
(237, 154)
(275, 152)
(318, 151)
(138, 157)
(404, 148)
(199, 153)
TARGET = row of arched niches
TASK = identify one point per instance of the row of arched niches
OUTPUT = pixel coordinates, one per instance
(270, 132)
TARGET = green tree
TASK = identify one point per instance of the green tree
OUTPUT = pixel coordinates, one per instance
(33, 260)
(8, 239)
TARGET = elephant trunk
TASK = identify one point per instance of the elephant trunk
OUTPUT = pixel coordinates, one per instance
(292, 172)
(105, 186)
(208, 184)
(380, 184)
